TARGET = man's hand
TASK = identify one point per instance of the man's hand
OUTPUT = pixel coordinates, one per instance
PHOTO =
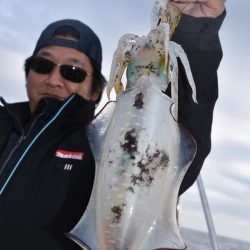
(200, 8)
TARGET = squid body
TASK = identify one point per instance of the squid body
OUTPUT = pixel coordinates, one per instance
(141, 151)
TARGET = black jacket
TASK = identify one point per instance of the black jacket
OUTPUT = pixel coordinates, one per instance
(46, 183)
(200, 40)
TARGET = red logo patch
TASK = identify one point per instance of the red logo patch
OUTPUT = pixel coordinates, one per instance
(69, 154)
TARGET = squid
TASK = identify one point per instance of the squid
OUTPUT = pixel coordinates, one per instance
(141, 150)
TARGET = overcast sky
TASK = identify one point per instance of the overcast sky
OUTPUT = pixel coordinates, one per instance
(226, 173)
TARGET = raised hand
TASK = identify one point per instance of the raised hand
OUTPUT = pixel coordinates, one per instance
(200, 8)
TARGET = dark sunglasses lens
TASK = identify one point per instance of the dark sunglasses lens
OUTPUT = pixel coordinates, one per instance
(41, 65)
(72, 73)
(68, 72)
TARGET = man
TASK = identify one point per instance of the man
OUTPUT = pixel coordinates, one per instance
(47, 168)
(46, 165)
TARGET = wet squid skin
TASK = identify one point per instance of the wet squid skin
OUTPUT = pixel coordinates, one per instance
(141, 151)
(149, 161)
(144, 156)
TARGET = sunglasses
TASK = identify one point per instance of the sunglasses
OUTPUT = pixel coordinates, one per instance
(70, 73)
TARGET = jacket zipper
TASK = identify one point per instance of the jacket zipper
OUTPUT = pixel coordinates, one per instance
(31, 143)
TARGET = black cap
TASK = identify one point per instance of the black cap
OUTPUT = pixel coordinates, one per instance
(88, 41)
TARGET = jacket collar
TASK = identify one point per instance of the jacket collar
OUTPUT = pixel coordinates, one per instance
(77, 111)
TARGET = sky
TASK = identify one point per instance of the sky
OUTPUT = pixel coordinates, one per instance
(226, 172)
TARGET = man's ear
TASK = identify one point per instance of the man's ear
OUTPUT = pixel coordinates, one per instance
(95, 95)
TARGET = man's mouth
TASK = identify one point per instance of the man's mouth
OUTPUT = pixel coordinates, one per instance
(53, 96)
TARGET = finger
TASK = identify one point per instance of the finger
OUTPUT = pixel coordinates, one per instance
(184, 6)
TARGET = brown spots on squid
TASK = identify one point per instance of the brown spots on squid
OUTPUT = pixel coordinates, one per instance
(130, 145)
(149, 166)
(131, 189)
(139, 101)
(147, 69)
(121, 172)
(117, 212)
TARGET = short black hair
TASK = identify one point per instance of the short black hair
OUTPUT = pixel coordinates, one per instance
(99, 80)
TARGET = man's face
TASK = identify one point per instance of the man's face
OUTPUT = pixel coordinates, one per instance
(53, 84)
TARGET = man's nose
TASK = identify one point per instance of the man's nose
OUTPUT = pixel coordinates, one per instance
(54, 78)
